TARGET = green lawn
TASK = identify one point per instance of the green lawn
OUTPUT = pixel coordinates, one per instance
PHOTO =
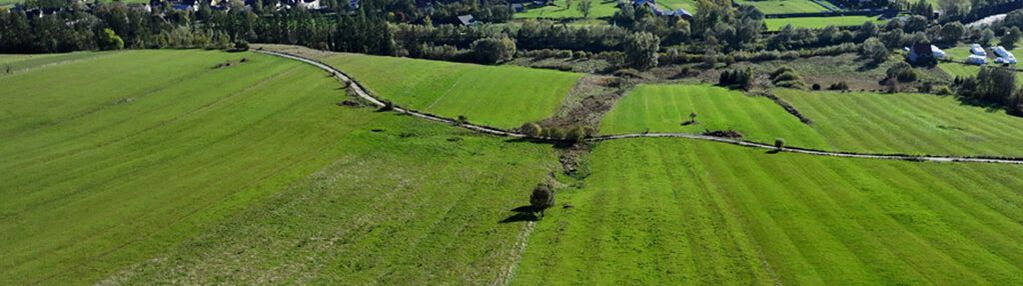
(501, 96)
(908, 123)
(18, 63)
(852, 122)
(957, 69)
(689, 5)
(600, 8)
(775, 24)
(154, 165)
(662, 108)
(678, 212)
(784, 6)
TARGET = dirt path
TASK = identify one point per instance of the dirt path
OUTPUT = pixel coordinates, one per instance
(362, 93)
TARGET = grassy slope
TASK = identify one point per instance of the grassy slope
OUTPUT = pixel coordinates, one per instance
(662, 211)
(25, 62)
(785, 6)
(776, 24)
(908, 123)
(662, 108)
(99, 174)
(391, 210)
(503, 96)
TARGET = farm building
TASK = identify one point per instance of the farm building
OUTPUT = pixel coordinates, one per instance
(922, 53)
(1004, 56)
(467, 20)
(976, 49)
(976, 60)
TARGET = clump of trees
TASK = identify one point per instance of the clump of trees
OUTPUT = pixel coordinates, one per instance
(738, 78)
(493, 50)
(902, 72)
(874, 50)
(641, 50)
(993, 85)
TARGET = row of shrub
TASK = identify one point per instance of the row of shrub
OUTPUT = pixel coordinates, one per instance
(678, 56)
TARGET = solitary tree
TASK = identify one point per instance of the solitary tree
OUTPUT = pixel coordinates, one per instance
(541, 199)
(779, 143)
(584, 7)
(987, 36)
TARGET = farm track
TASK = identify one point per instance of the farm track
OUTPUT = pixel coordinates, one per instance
(362, 93)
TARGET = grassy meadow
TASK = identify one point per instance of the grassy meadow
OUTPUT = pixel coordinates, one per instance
(852, 122)
(500, 96)
(785, 6)
(600, 8)
(664, 211)
(107, 181)
(908, 123)
(775, 24)
(663, 108)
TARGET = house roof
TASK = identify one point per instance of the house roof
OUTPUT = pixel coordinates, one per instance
(467, 20)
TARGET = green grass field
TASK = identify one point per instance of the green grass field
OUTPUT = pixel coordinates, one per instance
(662, 108)
(852, 122)
(117, 165)
(663, 211)
(159, 167)
(908, 123)
(502, 96)
(784, 6)
(775, 24)
(24, 62)
(600, 8)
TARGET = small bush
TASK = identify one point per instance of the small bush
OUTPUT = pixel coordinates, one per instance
(839, 86)
(816, 86)
(779, 143)
(531, 129)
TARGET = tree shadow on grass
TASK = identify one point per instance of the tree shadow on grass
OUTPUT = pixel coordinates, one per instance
(558, 144)
(773, 151)
(523, 213)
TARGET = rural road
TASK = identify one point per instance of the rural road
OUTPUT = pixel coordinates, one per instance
(361, 92)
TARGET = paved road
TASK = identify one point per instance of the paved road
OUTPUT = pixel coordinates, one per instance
(361, 92)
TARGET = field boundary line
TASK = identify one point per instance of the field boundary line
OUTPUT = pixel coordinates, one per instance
(521, 242)
(362, 93)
